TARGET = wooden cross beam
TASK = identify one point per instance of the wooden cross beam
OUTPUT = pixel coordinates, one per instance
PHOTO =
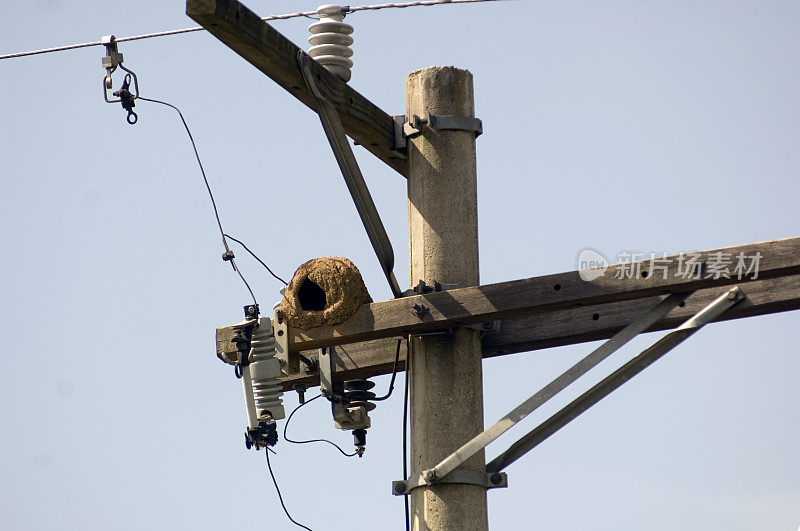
(546, 294)
(262, 46)
(536, 315)
(564, 327)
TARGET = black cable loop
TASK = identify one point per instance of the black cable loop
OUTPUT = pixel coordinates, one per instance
(394, 374)
(287, 439)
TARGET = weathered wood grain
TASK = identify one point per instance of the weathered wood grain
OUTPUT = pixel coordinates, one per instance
(564, 327)
(273, 54)
(536, 296)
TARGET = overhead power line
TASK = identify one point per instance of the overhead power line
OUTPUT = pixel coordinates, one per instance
(308, 14)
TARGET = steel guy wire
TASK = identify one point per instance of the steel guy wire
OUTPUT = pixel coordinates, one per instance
(307, 14)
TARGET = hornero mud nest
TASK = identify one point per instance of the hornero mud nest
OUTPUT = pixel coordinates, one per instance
(323, 291)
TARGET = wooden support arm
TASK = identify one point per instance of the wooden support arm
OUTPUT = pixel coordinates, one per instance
(265, 48)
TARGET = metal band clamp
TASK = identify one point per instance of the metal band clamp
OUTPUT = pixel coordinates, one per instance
(404, 129)
(464, 477)
(444, 122)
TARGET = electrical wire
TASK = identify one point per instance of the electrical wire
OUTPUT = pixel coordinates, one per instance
(257, 258)
(278, 490)
(421, 3)
(210, 195)
(307, 14)
(394, 373)
(286, 426)
(409, 343)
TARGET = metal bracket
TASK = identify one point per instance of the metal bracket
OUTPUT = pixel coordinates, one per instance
(465, 477)
(708, 314)
(325, 371)
(353, 177)
(111, 61)
(400, 146)
(344, 417)
(446, 122)
(280, 330)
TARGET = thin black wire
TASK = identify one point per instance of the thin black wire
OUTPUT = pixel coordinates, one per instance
(286, 426)
(278, 490)
(394, 374)
(405, 426)
(210, 193)
(257, 258)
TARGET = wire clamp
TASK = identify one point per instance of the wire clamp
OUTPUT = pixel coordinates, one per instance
(113, 60)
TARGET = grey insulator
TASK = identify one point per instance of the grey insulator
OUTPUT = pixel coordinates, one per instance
(330, 39)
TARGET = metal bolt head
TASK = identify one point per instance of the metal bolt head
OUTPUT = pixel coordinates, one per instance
(496, 478)
(399, 487)
(419, 309)
(430, 476)
(733, 295)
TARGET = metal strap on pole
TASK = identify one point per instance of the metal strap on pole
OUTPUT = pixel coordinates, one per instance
(622, 337)
(352, 176)
(615, 380)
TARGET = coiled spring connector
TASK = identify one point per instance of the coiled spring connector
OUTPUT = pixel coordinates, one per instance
(331, 41)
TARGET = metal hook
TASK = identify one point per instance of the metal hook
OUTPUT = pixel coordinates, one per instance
(113, 60)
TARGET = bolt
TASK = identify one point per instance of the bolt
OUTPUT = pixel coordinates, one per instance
(419, 309)
(430, 476)
(496, 479)
(399, 487)
(733, 295)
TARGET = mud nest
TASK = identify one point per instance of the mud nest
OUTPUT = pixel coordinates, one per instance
(323, 291)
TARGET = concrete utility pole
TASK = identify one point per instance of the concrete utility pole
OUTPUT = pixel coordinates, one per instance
(445, 370)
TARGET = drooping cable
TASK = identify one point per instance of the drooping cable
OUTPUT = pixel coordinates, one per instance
(228, 255)
(394, 374)
(286, 426)
(307, 14)
(257, 258)
(278, 490)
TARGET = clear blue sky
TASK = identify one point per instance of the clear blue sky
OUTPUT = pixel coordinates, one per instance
(645, 126)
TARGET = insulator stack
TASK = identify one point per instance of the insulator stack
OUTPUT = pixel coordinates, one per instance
(330, 41)
(265, 369)
(357, 393)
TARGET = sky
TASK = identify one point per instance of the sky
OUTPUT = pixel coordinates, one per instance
(617, 126)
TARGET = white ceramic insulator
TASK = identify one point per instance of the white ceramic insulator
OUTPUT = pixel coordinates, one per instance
(330, 41)
(264, 372)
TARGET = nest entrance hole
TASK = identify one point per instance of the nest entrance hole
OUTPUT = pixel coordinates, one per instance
(311, 296)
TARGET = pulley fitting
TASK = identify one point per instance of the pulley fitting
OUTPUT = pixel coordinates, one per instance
(330, 41)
